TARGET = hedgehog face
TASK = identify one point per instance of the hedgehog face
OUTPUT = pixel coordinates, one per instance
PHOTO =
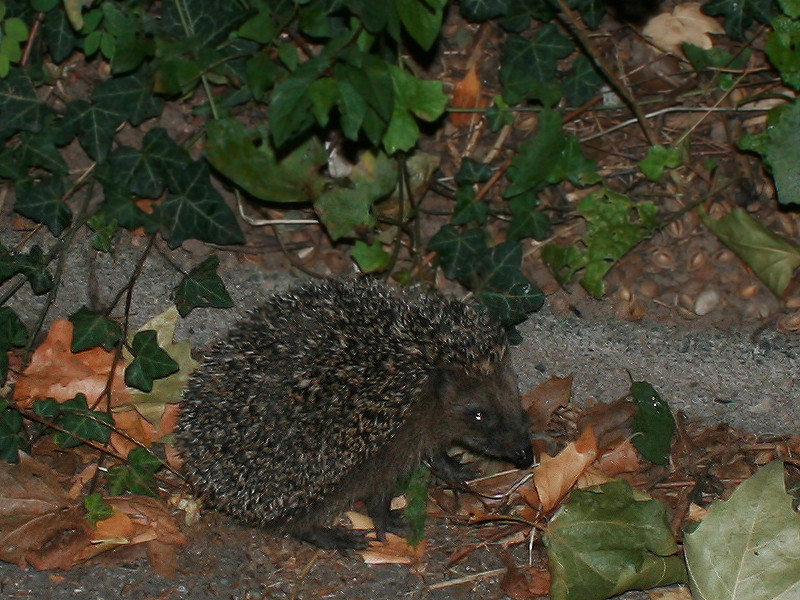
(484, 414)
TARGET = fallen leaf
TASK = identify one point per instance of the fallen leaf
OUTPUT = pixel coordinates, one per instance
(466, 94)
(686, 24)
(746, 547)
(622, 458)
(39, 523)
(555, 476)
(56, 372)
(546, 398)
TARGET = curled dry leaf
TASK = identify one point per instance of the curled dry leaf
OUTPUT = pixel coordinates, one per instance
(555, 476)
(56, 372)
(466, 94)
(40, 524)
(686, 24)
(546, 398)
(622, 458)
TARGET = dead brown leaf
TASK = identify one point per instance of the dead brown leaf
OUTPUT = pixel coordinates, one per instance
(466, 94)
(526, 582)
(622, 458)
(546, 398)
(56, 372)
(686, 24)
(39, 523)
(555, 476)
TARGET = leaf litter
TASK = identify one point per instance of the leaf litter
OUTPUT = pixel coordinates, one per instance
(585, 453)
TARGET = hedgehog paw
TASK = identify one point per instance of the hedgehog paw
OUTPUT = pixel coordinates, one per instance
(333, 538)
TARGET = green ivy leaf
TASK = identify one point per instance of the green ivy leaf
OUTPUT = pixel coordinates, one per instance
(740, 15)
(371, 258)
(136, 475)
(658, 158)
(653, 423)
(529, 65)
(91, 329)
(537, 156)
(422, 19)
(145, 171)
(77, 419)
(196, 210)
(42, 202)
(12, 331)
(39, 150)
(583, 82)
(93, 125)
(20, 105)
(104, 230)
(97, 508)
(11, 437)
(201, 288)
(131, 96)
(468, 209)
(526, 221)
(472, 171)
(458, 251)
(150, 362)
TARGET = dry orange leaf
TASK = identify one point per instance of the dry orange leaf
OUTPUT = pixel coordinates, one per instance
(555, 476)
(466, 94)
(56, 372)
(622, 458)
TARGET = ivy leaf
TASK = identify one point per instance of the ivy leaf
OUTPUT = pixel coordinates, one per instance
(11, 438)
(77, 419)
(131, 95)
(42, 202)
(12, 331)
(196, 210)
(782, 153)
(529, 65)
(468, 209)
(145, 171)
(97, 508)
(59, 35)
(20, 105)
(422, 19)
(537, 155)
(583, 82)
(371, 258)
(472, 171)
(483, 10)
(746, 547)
(39, 150)
(150, 362)
(526, 221)
(458, 251)
(136, 475)
(653, 423)
(658, 158)
(740, 15)
(93, 125)
(201, 288)
(91, 329)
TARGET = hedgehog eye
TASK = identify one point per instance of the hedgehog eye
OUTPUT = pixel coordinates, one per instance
(479, 415)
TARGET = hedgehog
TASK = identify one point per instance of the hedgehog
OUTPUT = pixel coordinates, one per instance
(332, 392)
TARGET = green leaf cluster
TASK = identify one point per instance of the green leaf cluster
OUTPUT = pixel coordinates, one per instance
(614, 225)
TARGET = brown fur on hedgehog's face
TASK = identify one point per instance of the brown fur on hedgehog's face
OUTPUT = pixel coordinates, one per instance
(484, 413)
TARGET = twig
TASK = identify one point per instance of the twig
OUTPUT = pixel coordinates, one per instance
(466, 579)
(576, 28)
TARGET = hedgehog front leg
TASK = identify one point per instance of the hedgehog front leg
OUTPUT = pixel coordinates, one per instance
(450, 470)
(333, 538)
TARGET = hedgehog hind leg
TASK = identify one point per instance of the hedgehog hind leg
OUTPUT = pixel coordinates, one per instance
(333, 538)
